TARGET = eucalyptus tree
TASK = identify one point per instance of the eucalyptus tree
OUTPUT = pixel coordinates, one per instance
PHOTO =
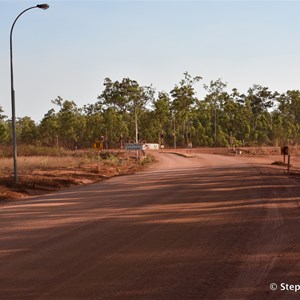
(260, 100)
(4, 128)
(162, 118)
(125, 96)
(215, 98)
(48, 129)
(286, 118)
(26, 131)
(94, 123)
(156, 120)
(114, 127)
(184, 98)
(202, 124)
(2, 117)
(236, 118)
(128, 98)
(71, 123)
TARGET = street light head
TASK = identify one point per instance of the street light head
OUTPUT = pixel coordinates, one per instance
(43, 6)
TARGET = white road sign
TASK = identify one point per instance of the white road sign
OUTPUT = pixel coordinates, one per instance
(133, 146)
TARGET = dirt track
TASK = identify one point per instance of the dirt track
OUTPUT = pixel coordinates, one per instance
(208, 227)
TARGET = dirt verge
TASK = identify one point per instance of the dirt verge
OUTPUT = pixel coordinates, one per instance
(44, 179)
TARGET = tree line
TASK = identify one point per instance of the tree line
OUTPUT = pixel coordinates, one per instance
(178, 117)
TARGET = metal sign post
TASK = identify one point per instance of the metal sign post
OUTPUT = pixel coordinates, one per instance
(98, 146)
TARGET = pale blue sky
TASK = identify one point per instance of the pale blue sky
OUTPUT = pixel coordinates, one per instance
(70, 48)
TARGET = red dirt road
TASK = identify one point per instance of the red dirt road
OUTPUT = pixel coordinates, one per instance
(208, 227)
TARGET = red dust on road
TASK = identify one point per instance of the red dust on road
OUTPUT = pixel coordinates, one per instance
(206, 227)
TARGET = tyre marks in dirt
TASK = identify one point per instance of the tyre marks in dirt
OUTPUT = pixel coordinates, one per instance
(273, 251)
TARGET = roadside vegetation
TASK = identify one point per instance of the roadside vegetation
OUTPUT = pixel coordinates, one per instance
(62, 168)
(57, 151)
(221, 118)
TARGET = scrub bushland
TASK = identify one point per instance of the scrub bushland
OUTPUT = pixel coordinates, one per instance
(44, 170)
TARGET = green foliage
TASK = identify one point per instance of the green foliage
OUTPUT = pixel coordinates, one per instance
(125, 96)
(4, 128)
(26, 131)
(4, 132)
(221, 118)
(183, 102)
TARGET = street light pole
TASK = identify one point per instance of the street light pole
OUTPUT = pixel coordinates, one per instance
(13, 107)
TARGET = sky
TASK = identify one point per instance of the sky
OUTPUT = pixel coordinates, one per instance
(69, 49)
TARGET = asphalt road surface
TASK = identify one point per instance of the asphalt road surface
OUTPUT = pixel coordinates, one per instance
(208, 227)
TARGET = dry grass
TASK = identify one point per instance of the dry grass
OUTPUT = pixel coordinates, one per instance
(40, 174)
(27, 164)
